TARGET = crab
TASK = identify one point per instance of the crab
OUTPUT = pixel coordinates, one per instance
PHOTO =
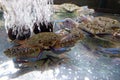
(31, 50)
(99, 25)
(66, 7)
(71, 8)
(59, 41)
(102, 47)
(103, 27)
(68, 10)
(93, 29)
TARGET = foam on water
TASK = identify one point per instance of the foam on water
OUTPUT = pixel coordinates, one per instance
(21, 14)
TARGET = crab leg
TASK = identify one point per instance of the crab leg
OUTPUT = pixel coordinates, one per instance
(36, 58)
(60, 50)
(25, 60)
(110, 50)
(67, 42)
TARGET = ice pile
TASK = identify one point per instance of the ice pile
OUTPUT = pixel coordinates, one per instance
(21, 14)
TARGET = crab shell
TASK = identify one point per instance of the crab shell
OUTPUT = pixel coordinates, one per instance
(41, 40)
(22, 52)
(101, 25)
(65, 7)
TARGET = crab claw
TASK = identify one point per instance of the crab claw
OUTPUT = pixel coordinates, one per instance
(67, 23)
(26, 60)
(111, 52)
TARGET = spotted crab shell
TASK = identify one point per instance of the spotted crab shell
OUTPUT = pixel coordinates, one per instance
(44, 39)
(101, 25)
(22, 52)
(70, 7)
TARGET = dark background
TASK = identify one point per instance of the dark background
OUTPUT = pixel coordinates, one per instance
(112, 4)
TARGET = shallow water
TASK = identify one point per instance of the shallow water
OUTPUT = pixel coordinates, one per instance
(82, 65)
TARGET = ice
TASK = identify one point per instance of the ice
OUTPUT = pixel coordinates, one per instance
(24, 13)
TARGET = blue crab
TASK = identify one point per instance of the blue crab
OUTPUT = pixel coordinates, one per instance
(103, 26)
(32, 49)
(100, 27)
(103, 34)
